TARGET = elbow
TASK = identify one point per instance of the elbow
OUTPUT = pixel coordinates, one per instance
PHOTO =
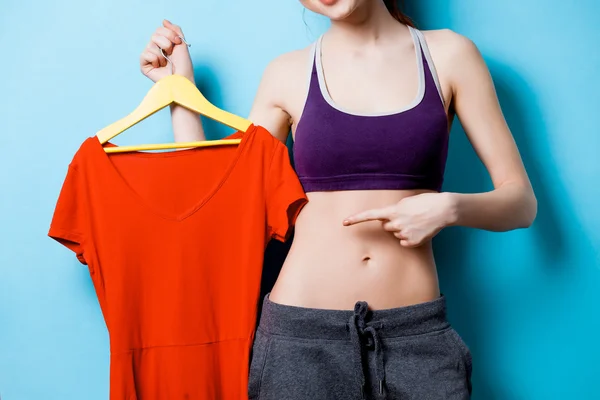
(528, 209)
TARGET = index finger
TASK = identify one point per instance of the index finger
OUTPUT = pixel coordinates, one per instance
(376, 214)
(169, 34)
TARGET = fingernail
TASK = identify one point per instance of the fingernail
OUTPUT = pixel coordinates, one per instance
(346, 222)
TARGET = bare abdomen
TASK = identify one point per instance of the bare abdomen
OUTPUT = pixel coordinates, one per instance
(332, 266)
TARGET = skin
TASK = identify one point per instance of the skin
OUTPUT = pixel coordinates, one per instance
(374, 245)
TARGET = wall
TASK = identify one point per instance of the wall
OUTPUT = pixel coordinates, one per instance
(524, 301)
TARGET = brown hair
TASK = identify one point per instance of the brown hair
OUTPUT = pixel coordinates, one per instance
(394, 9)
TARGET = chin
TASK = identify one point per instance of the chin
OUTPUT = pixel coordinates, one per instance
(333, 9)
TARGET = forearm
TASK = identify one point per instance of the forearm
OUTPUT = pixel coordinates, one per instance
(508, 207)
(187, 125)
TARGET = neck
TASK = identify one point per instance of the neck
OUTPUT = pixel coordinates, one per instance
(368, 23)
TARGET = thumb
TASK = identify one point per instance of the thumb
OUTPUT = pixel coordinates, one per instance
(409, 243)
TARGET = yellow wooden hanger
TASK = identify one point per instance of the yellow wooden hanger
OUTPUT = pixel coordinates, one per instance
(172, 89)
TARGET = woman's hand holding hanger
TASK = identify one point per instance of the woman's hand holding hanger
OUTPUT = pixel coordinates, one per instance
(187, 127)
(168, 38)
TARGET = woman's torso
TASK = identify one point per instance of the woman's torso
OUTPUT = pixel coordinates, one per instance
(333, 266)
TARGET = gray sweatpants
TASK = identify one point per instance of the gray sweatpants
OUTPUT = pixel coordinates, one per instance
(403, 353)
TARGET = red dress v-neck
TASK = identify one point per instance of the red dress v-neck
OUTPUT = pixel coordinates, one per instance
(174, 244)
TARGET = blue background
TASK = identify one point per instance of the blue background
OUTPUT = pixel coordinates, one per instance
(524, 301)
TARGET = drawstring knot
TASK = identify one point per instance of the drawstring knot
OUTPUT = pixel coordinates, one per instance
(363, 333)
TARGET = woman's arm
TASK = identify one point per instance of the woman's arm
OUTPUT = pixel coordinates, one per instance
(187, 126)
(512, 203)
(267, 110)
(277, 91)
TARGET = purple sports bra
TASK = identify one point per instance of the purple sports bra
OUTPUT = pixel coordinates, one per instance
(336, 149)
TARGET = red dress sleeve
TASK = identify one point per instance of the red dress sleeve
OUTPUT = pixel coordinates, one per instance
(284, 193)
(68, 221)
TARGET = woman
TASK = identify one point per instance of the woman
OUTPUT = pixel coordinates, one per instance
(356, 311)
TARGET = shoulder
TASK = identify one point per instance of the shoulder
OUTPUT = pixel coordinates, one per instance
(289, 64)
(285, 71)
(450, 42)
(457, 54)
(447, 38)
(280, 94)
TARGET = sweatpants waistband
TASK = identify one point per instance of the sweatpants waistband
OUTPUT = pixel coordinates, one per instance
(311, 323)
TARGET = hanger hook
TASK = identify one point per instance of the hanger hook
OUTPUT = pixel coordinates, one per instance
(167, 58)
